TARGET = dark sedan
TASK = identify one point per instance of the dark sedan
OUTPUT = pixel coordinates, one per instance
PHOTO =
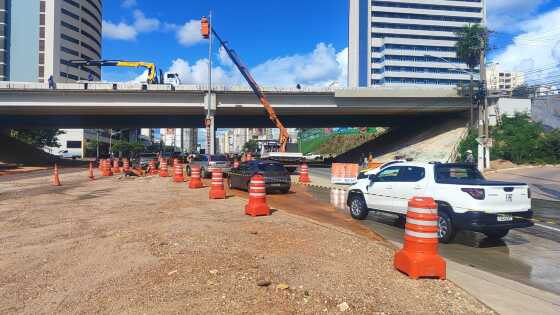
(275, 175)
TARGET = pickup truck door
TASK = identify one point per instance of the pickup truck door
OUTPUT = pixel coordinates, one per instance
(379, 193)
(411, 182)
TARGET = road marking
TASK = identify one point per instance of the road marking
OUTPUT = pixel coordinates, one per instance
(548, 227)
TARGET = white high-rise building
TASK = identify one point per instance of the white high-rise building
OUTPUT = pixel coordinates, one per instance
(503, 82)
(408, 43)
(39, 37)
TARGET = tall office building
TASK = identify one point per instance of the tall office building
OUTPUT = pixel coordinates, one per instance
(408, 43)
(503, 82)
(38, 37)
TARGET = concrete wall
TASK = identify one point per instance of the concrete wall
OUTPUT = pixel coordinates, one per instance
(547, 111)
(509, 107)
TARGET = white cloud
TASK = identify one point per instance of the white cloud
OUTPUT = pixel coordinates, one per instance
(125, 31)
(144, 24)
(189, 34)
(537, 47)
(321, 67)
(507, 15)
(121, 31)
(129, 3)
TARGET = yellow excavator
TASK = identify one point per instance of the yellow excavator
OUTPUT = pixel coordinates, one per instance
(152, 75)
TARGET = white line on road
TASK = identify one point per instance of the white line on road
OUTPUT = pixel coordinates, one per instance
(548, 227)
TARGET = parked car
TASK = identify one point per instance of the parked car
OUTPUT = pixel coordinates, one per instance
(145, 158)
(465, 199)
(69, 154)
(208, 162)
(276, 176)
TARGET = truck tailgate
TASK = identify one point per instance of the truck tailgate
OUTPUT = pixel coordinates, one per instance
(501, 199)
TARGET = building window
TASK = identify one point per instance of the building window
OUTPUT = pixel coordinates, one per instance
(70, 26)
(73, 144)
(72, 3)
(70, 14)
(426, 17)
(70, 39)
(69, 51)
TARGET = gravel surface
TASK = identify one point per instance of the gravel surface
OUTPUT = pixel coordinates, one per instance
(147, 245)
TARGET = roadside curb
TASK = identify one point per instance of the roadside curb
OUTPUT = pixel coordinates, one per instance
(326, 187)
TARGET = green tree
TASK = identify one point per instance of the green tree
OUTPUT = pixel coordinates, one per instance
(251, 146)
(121, 146)
(137, 148)
(472, 41)
(38, 137)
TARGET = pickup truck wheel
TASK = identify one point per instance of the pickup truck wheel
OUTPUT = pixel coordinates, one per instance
(358, 208)
(496, 235)
(446, 230)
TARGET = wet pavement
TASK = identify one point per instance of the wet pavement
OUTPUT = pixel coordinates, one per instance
(529, 256)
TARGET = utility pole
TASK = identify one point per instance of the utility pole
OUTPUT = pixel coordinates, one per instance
(471, 87)
(483, 134)
(210, 147)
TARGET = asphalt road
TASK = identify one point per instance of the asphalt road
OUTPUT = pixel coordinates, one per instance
(529, 255)
(544, 181)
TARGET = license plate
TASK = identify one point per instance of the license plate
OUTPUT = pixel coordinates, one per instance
(504, 218)
(276, 185)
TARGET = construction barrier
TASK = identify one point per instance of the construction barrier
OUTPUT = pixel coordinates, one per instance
(304, 174)
(195, 181)
(116, 169)
(106, 168)
(217, 190)
(344, 173)
(338, 198)
(419, 256)
(163, 172)
(152, 170)
(257, 197)
(56, 180)
(178, 173)
(90, 171)
(126, 165)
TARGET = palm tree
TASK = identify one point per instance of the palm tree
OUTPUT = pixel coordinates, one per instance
(471, 47)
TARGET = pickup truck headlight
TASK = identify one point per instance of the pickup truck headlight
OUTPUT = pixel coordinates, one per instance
(476, 193)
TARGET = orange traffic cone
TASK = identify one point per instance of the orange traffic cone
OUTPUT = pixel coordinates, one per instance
(257, 198)
(90, 172)
(217, 190)
(304, 174)
(106, 168)
(419, 256)
(152, 170)
(56, 180)
(195, 181)
(178, 173)
(163, 172)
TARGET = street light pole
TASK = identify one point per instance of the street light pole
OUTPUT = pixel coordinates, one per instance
(210, 147)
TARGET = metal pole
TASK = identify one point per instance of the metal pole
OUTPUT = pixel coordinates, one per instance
(209, 118)
(471, 124)
(97, 147)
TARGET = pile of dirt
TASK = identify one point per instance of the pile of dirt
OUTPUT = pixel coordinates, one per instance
(15, 152)
(151, 246)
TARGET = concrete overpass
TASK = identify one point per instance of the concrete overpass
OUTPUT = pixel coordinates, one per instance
(103, 105)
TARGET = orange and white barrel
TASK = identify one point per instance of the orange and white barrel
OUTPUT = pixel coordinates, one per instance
(195, 181)
(304, 174)
(126, 165)
(257, 205)
(178, 173)
(163, 170)
(116, 169)
(419, 256)
(217, 190)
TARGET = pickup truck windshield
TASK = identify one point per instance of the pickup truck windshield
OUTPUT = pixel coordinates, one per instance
(456, 172)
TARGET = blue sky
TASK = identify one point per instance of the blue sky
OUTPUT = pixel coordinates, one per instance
(288, 42)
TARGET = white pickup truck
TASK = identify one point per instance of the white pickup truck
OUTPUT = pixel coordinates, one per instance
(466, 201)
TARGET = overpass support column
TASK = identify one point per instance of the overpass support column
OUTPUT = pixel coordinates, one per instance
(210, 106)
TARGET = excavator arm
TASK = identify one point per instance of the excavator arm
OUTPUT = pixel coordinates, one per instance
(119, 63)
(284, 136)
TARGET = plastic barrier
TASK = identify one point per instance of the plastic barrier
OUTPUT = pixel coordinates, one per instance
(163, 171)
(178, 173)
(344, 173)
(195, 182)
(304, 174)
(116, 169)
(419, 256)
(90, 171)
(217, 190)
(56, 180)
(126, 165)
(257, 198)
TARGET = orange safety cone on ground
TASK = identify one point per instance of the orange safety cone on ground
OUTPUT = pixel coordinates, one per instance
(90, 171)
(126, 165)
(304, 174)
(217, 190)
(195, 182)
(178, 173)
(257, 197)
(106, 169)
(152, 168)
(116, 169)
(419, 256)
(163, 171)
(56, 180)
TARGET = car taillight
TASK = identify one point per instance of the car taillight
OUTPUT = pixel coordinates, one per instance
(476, 193)
(529, 193)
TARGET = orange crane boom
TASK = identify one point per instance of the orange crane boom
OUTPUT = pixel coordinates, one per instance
(206, 28)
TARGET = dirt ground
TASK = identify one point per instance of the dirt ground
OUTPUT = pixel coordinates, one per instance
(150, 246)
